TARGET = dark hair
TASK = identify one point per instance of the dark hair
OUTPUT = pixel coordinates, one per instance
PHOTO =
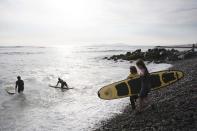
(140, 62)
(18, 77)
(133, 69)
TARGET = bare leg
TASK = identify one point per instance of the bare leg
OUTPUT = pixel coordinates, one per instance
(141, 104)
(66, 85)
(132, 100)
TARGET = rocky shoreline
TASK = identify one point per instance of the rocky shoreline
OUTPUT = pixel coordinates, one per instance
(175, 106)
(157, 55)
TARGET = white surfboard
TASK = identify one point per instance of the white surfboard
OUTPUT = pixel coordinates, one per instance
(10, 90)
(58, 87)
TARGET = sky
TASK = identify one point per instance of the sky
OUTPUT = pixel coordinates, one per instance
(66, 22)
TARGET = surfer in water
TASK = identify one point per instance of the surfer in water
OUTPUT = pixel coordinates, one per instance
(133, 73)
(145, 83)
(19, 84)
(62, 82)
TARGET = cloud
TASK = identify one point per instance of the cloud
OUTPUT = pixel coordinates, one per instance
(106, 21)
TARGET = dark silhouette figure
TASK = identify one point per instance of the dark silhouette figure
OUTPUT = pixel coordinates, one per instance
(19, 84)
(63, 83)
(133, 73)
(145, 83)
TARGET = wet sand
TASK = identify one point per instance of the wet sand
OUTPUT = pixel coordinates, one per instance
(175, 106)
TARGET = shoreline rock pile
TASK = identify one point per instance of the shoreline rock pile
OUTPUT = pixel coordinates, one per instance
(157, 55)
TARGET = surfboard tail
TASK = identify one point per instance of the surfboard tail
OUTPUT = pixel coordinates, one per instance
(180, 75)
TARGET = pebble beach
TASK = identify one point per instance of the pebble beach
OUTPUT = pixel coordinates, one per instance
(175, 106)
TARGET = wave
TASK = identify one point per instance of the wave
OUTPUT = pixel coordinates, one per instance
(7, 47)
(102, 51)
(20, 53)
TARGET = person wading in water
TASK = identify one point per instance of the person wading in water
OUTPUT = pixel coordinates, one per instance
(19, 84)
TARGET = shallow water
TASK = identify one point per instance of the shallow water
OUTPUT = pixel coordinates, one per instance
(44, 108)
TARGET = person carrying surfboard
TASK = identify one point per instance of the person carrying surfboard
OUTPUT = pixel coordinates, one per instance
(145, 83)
(19, 84)
(133, 73)
(62, 82)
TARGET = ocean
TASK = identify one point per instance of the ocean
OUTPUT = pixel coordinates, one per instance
(41, 107)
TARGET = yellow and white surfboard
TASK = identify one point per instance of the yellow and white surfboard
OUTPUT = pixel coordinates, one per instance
(129, 87)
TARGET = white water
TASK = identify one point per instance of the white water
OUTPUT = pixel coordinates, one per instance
(45, 108)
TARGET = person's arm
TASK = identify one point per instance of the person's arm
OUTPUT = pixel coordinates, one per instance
(57, 83)
(16, 85)
(130, 76)
(23, 83)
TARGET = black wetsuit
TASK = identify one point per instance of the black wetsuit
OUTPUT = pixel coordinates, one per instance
(133, 100)
(133, 97)
(145, 85)
(63, 83)
(20, 85)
